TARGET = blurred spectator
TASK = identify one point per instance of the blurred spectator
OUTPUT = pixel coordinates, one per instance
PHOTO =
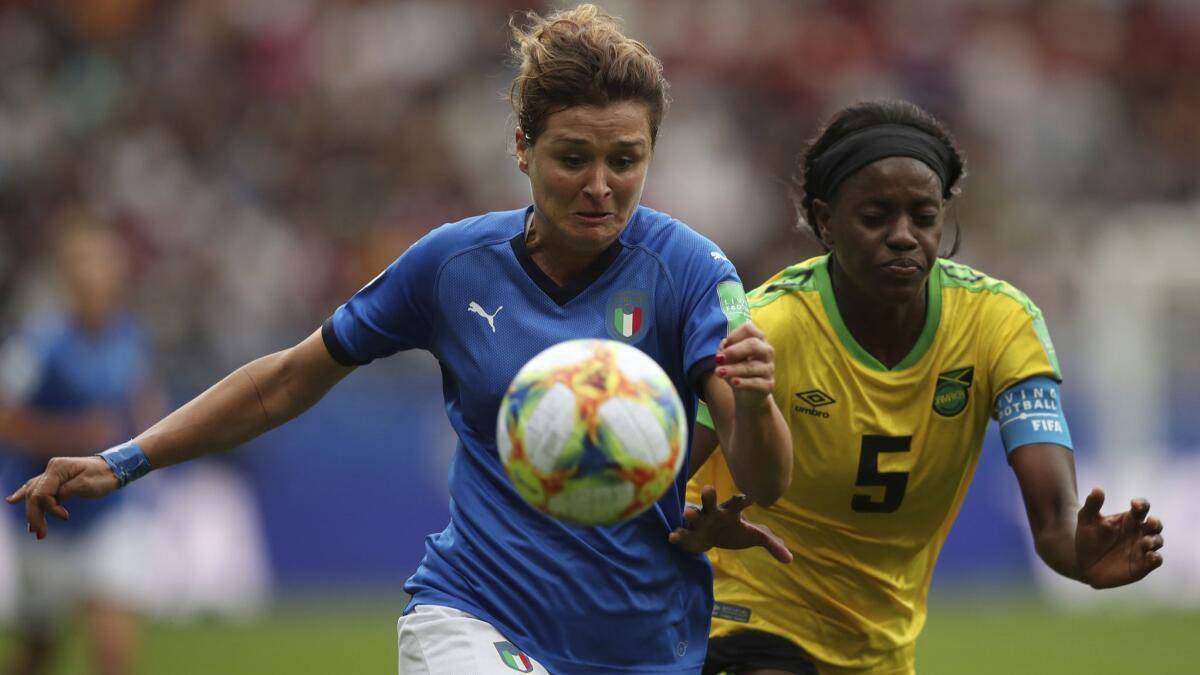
(289, 146)
(72, 381)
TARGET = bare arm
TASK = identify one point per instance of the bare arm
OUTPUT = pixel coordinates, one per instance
(1080, 543)
(752, 432)
(253, 399)
(704, 441)
(712, 524)
(1046, 474)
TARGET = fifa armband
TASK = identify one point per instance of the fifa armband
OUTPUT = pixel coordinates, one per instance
(1030, 412)
(127, 461)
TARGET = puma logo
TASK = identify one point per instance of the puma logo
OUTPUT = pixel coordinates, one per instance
(474, 308)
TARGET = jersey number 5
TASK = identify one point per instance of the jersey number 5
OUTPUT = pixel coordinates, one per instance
(893, 482)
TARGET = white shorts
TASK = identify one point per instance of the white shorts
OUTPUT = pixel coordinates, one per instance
(102, 563)
(436, 640)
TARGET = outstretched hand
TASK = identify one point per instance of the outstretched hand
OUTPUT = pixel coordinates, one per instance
(723, 526)
(1118, 549)
(64, 477)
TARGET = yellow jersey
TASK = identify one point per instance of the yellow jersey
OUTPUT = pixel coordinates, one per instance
(883, 458)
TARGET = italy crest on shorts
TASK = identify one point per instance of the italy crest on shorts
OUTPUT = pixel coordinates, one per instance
(628, 315)
(514, 658)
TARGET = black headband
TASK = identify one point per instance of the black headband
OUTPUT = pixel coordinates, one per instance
(871, 144)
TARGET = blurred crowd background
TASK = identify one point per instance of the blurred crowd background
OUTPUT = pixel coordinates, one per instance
(262, 160)
(266, 158)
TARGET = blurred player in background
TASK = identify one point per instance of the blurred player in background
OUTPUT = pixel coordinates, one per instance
(503, 587)
(893, 361)
(71, 381)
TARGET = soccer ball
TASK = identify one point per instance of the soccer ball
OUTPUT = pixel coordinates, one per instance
(591, 432)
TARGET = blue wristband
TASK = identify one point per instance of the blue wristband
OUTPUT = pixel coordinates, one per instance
(127, 461)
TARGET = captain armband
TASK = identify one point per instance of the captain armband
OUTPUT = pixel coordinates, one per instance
(127, 461)
(1030, 412)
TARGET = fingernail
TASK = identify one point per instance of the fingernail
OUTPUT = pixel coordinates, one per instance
(735, 381)
(720, 358)
(721, 372)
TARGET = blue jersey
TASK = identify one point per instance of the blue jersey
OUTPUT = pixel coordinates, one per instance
(577, 599)
(54, 366)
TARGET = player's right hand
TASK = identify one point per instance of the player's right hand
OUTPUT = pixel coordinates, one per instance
(64, 477)
(722, 526)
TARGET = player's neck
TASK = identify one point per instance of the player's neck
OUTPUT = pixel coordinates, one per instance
(559, 262)
(887, 331)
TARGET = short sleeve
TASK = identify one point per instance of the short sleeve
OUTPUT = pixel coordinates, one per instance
(716, 304)
(392, 313)
(1021, 346)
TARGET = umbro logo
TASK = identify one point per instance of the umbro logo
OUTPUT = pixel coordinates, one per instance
(815, 398)
(474, 308)
(717, 255)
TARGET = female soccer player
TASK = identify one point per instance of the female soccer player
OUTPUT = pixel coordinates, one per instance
(72, 379)
(503, 584)
(891, 363)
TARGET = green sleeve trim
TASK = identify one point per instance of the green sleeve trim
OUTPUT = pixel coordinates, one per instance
(933, 315)
(704, 417)
(972, 281)
(792, 279)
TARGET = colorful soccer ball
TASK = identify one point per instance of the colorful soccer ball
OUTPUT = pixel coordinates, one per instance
(591, 432)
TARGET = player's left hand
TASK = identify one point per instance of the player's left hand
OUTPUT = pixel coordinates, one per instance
(1118, 549)
(746, 361)
(723, 526)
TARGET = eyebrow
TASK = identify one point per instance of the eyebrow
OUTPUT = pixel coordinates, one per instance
(876, 200)
(625, 143)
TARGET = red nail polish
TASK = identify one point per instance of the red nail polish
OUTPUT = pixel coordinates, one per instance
(720, 372)
(720, 358)
(735, 381)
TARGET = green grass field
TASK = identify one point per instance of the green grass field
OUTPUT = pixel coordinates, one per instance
(979, 636)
